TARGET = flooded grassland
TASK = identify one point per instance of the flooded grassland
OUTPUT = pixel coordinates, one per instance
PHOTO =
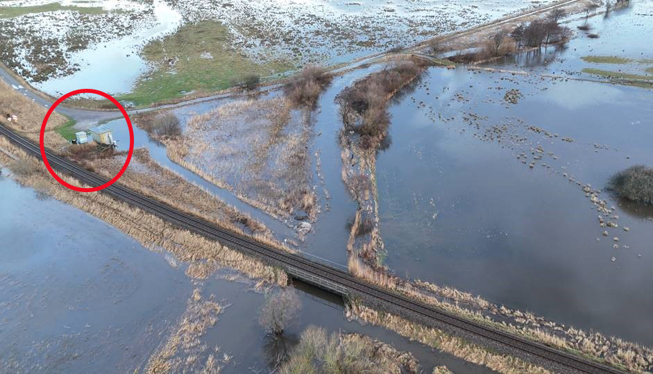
(151, 52)
(78, 295)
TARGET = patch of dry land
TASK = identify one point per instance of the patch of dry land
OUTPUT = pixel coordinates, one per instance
(29, 117)
(317, 352)
(256, 148)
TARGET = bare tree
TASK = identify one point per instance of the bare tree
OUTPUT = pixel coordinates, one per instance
(435, 47)
(608, 7)
(497, 41)
(535, 33)
(280, 311)
(590, 8)
(557, 14)
(518, 34)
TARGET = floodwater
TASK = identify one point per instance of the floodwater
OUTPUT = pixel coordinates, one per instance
(158, 153)
(622, 33)
(114, 66)
(79, 296)
(458, 207)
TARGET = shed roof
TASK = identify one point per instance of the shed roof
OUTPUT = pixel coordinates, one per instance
(100, 129)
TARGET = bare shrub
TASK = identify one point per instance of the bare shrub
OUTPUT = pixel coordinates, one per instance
(593, 36)
(435, 47)
(634, 183)
(42, 189)
(24, 167)
(305, 89)
(251, 81)
(497, 41)
(584, 27)
(364, 105)
(166, 125)
(317, 352)
(280, 311)
(365, 226)
(557, 14)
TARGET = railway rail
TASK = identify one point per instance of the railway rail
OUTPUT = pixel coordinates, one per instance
(327, 277)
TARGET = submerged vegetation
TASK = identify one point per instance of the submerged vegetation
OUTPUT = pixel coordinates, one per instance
(617, 74)
(606, 59)
(634, 183)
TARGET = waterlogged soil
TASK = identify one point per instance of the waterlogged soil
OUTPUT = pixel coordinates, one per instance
(79, 296)
(491, 197)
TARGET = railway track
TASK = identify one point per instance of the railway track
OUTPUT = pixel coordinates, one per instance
(325, 276)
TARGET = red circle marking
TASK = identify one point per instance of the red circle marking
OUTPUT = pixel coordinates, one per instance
(131, 140)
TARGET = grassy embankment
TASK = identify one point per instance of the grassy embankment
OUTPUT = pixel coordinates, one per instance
(197, 58)
(67, 130)
(11, 12)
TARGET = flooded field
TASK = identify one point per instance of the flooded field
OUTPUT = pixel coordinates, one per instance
(619, 47)
(78, 295)
(156, 51)
(460, 207)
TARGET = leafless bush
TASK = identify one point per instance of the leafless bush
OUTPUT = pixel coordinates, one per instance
(634, 183)
(166, 125)
(305, 89)
(557, 14)
(364, 106)
(593, 36)
(435, 47)
(317, 352)
(584, 27)
(251, 81)
(24, 167)
(497, 41)
(365, 226)
(280, 311)
(42, 189)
